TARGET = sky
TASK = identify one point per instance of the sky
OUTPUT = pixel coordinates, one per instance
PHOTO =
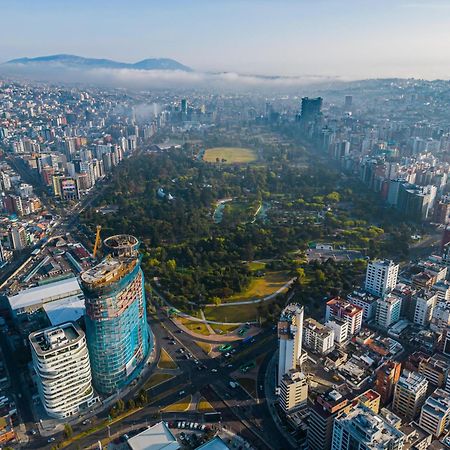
(349, 39)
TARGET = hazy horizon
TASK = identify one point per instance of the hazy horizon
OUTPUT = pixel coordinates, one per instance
(327, 38)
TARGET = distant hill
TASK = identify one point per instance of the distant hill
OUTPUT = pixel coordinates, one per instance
(96, 63)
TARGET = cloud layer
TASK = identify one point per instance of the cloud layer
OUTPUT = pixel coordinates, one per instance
(156, 79)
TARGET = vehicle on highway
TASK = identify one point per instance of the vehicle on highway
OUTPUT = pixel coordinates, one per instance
(225, 348)
(248, 366)
(182, 393)
(51, 439)
(214, 370)
(233, 384)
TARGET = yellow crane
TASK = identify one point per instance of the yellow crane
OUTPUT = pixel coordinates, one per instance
(97, 240)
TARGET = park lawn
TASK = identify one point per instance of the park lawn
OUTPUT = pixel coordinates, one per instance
(180, 405)
(249, 384)
(254, 266)
(204, 346)
(231, 155)
(196, 327)
(233, 313)
(204, 406)
(166, 361)
(157, 378)
(260, 287)
(224, 329)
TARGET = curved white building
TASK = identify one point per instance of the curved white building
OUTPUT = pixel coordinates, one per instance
(61, 361)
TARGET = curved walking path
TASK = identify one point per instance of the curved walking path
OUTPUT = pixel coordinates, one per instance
(257, 300)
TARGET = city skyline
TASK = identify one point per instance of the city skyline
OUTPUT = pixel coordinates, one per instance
(348, 40)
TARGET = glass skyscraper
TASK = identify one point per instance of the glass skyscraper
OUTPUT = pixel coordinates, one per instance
(116, 320)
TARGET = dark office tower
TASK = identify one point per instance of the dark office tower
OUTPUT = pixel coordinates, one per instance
(184, 106)
(311, 108)
(348, 102)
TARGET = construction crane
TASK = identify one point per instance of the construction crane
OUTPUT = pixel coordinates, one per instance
(97, 240)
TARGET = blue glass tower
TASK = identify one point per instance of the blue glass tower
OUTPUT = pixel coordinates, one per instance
(117, 331)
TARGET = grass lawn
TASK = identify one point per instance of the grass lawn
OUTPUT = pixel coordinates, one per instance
(260, 287)
(157, 378)
(249, 384)
(254, 266)
(224, 329)
(204, 346)
(232, 155)
(204, 405)
(233, 313)
(180, 405)
(166, 361)
(196, 327)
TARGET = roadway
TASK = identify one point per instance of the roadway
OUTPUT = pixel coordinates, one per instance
(241, 413)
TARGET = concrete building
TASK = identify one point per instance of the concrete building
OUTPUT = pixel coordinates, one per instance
(293, 390)
(425, 301)
(381, 277)
(366, 301)
(340, 329)
(387, 376)
(338, 308)
(61, 362)
(440, 317)
(290, 335)
(388, 310)
(362, 429)
(18, 238)
(116, 318)
(409, 395)
(435, 413)
(35, 298)
(156, 437)
(317, 337)
(326, 408)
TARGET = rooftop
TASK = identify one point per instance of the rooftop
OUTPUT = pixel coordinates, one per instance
(51, 339)
(47, 293)
(370, 428)
(214, 444)
(157, 437)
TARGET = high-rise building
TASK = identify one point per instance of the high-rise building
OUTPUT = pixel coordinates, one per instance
(381, 277)
(290, 334)
(61, 362)
(434, 416)
(425, 301)
(311, 108)
(325, 409)
(362, 429)
(293, 390)
(387, 376)
(18, 238)
(338, 308)
(409, 395)
(116, 321)
(348, 102)
(388, 310)
(317, 337)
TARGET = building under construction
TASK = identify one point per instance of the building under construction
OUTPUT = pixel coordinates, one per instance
(116, 321)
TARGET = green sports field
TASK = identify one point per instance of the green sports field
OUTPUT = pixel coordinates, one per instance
(230, 155)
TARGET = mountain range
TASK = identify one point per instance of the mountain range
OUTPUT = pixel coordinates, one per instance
(96, 63)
